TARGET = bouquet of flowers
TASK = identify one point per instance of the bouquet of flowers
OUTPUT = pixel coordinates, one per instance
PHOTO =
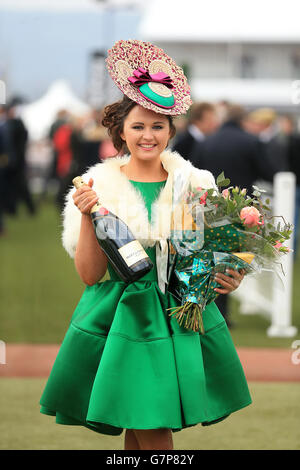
(213, 230)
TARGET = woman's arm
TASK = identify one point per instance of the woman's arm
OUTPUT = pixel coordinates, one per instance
(90, 260)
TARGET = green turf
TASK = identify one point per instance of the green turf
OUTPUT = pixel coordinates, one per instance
(270, 422)
(40, 288)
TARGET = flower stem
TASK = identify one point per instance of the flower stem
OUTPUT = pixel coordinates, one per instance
(192, 313)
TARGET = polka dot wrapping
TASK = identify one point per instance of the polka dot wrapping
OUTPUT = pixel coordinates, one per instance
(193, 279)
(126, 56)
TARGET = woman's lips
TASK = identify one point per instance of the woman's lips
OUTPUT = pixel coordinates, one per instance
(147, 146)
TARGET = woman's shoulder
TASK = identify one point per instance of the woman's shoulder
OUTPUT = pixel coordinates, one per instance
(199, 177)
(203, 178)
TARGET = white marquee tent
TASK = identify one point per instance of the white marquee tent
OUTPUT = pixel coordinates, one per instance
(39, 116)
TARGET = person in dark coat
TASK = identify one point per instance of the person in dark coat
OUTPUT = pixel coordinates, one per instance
(265, 124)
(288, 128)
(236, 152)
(240, 155)
(203, 121)
(3, 166)
(15, 137)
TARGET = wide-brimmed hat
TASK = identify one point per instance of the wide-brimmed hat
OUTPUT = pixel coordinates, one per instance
(148, 76)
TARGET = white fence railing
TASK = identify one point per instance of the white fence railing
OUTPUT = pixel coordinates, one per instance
(263, 293)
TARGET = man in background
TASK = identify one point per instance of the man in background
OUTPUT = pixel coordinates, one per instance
(241, 156)
(265, 124)
(289, 130)
(203, 121)
(3, 166)
(15, 137)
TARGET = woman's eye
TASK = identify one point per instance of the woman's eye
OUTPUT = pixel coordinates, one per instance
(157, 127)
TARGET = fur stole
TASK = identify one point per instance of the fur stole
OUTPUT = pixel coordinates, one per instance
(119, 196)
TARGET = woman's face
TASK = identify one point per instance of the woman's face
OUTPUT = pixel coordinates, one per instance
(146, 133)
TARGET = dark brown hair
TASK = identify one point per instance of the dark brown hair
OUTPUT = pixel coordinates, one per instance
(114, 116)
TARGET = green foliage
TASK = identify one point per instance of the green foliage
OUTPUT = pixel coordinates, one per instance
(222, 181)
(228, 204)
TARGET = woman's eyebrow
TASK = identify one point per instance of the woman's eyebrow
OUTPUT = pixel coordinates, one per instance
(156, 122)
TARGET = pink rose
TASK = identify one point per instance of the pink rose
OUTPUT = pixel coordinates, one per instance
(250, 216)
(225, 193)
(203, 197)
(278, 245)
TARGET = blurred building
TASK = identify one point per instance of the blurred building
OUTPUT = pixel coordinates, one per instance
(245, 52)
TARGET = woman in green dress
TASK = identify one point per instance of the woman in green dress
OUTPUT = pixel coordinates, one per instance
(124, 362)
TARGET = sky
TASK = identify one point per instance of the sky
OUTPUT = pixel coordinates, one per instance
(40, 46)
(67, 4)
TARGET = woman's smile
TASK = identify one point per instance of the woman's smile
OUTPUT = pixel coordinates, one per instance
(147, 146)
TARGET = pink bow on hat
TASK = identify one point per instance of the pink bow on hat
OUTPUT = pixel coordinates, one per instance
(142, 76)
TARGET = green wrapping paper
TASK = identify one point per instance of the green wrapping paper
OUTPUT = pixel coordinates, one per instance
(191, 276)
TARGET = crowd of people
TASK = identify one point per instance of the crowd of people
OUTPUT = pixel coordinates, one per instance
(76, 143)
(247, 146)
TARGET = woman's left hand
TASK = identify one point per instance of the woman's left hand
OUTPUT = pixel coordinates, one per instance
(229, 283)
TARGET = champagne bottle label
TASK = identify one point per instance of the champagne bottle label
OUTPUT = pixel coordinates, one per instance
(132, 252)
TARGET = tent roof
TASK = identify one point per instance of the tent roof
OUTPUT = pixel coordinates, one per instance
(39, 115)
(216, 21)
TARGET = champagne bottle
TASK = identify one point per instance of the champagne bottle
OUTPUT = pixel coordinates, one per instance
(125, 253)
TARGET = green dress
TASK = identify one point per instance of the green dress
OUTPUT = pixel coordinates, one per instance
(126, 363)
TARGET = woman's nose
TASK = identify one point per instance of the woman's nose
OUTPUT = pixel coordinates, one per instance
(148, 134)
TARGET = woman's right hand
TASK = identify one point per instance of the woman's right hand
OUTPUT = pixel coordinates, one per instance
(85, 197)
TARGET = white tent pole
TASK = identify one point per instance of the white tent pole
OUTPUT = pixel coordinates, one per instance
(284, 204)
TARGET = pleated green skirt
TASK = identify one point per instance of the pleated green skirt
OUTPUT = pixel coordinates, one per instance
(125, 363)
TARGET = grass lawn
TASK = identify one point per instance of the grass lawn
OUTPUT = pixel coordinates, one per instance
(270, 422)
(40, 287)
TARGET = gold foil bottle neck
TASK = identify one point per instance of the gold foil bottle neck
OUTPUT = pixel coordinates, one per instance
(78, 182)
